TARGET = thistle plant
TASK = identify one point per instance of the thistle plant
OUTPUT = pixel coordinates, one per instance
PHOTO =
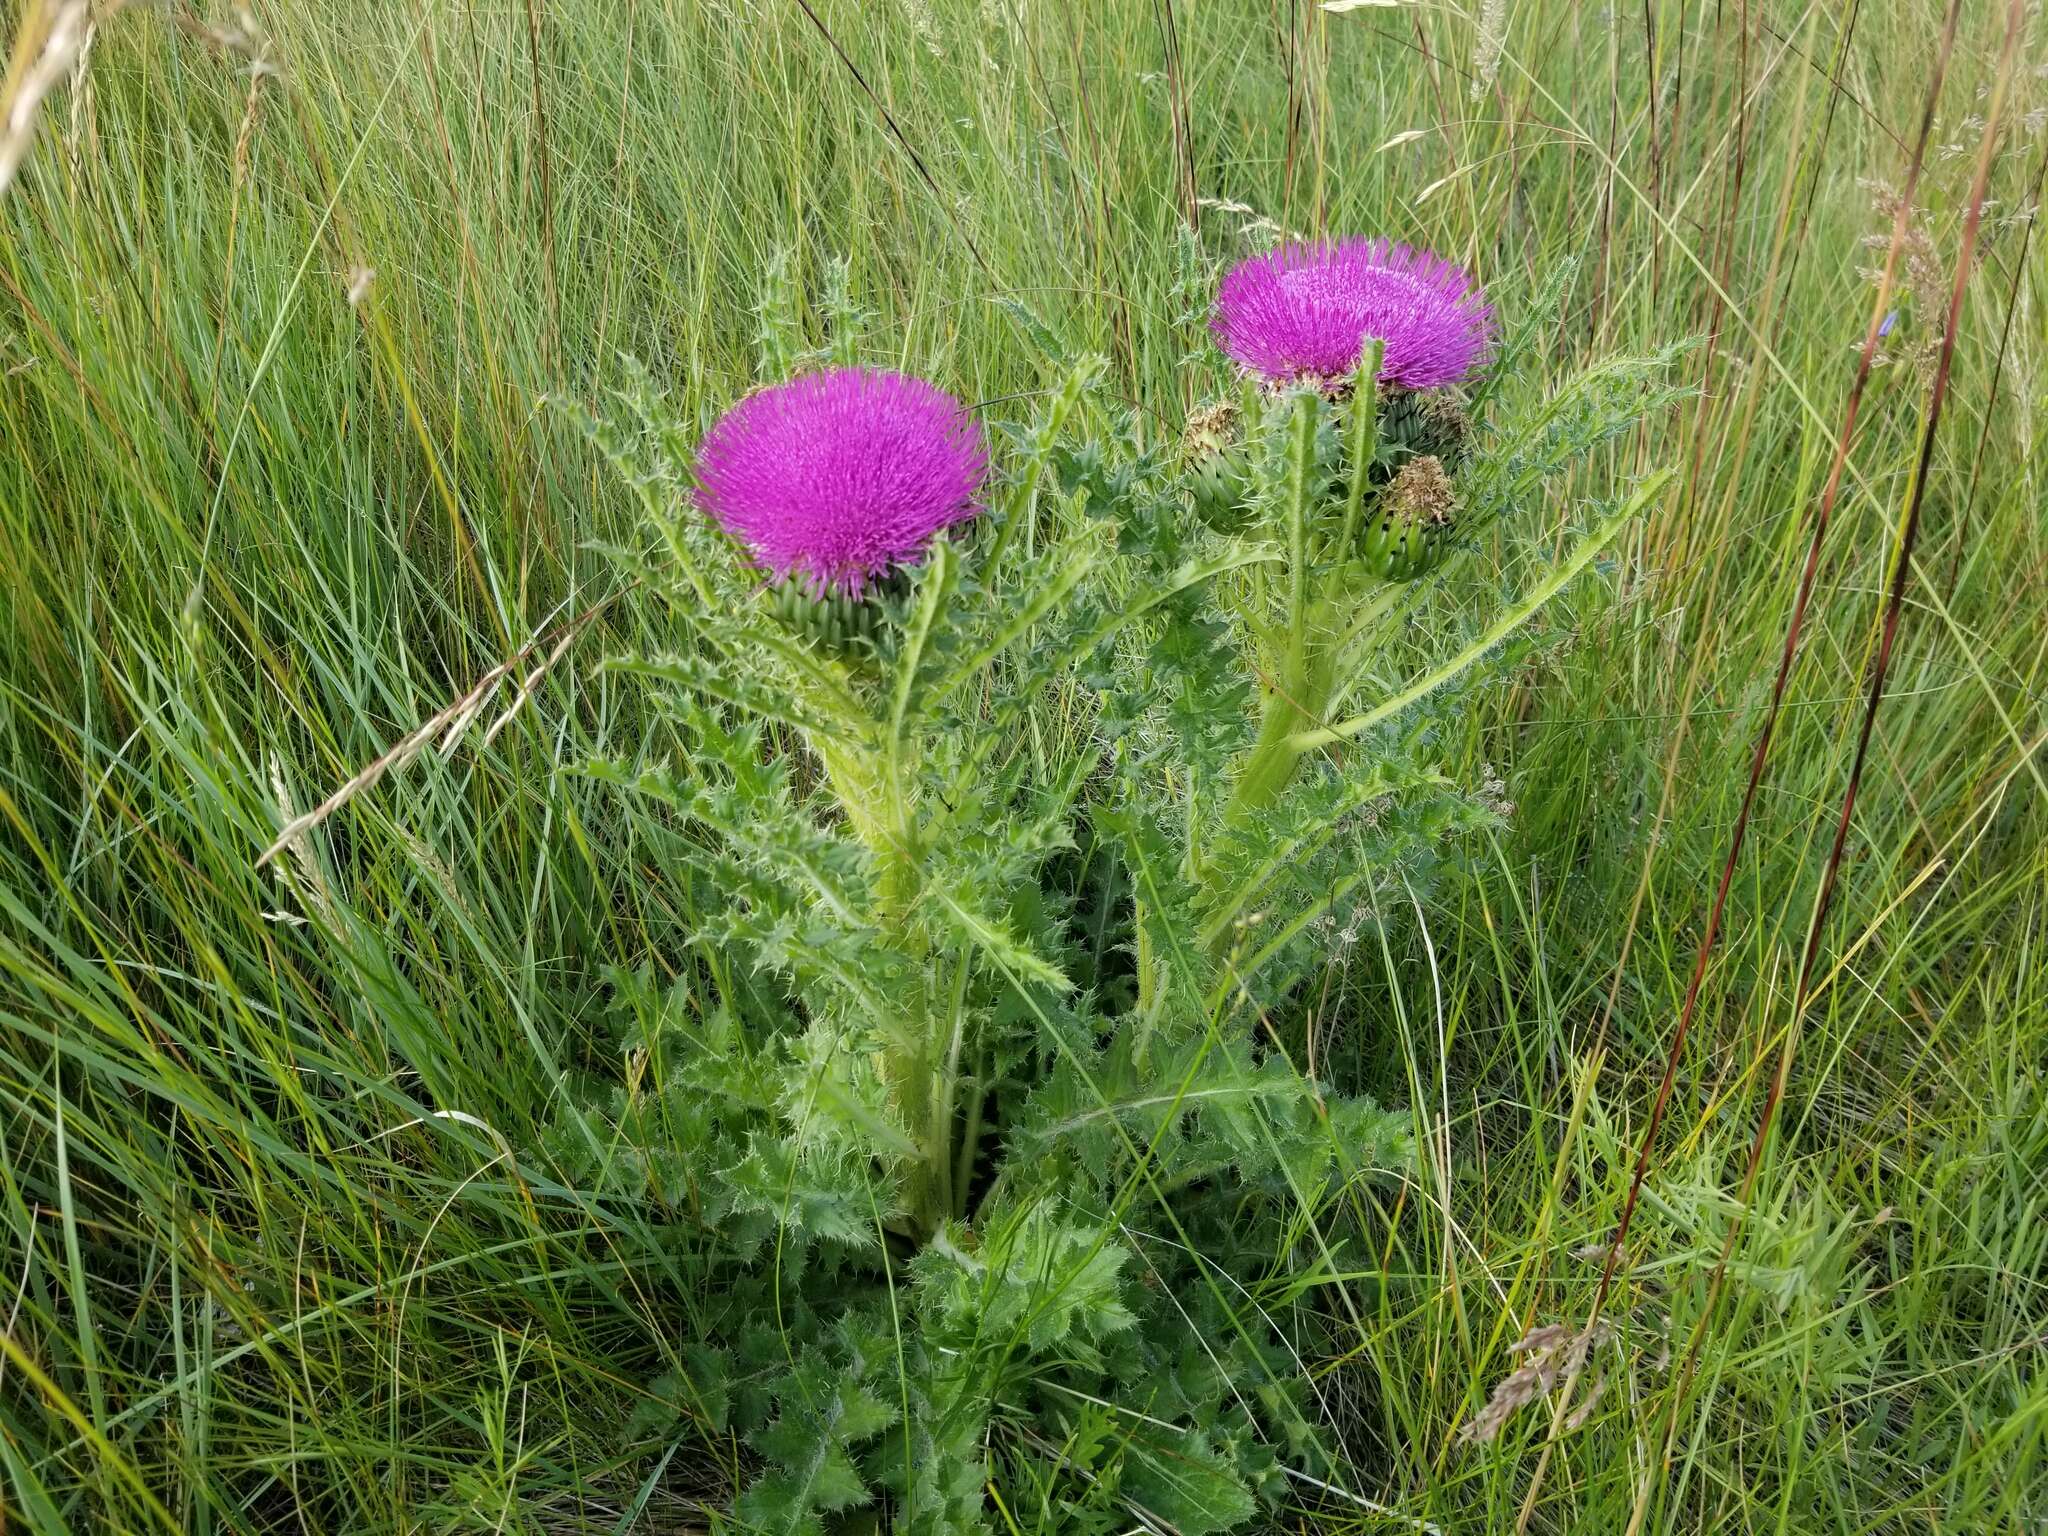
(1352, 440)
(960, 1000)
(837, 484)
(1356, 349)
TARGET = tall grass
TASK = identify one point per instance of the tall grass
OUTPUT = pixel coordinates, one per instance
(279, 479)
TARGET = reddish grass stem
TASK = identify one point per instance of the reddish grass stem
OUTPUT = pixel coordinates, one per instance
(1793, 629)
(1901, 576)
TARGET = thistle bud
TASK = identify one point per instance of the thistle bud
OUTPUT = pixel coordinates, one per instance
(1411, 534)
(1213, 460)
(1423, 421)
(839, 623)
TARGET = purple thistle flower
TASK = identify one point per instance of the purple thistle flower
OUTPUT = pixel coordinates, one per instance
(835, 477)
(1308, 309)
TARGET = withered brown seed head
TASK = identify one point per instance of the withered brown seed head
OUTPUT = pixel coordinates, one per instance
(1448, 412)
(1210, 429)
(1422, 492)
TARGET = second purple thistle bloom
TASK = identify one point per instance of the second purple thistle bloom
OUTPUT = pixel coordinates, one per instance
(836, 477)
(1306, 311)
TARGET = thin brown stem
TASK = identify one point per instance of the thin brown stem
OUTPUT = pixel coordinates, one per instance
(1795, 625)
(1901, 577)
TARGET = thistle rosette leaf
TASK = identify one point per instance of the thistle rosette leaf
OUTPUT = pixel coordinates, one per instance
(830, 1407)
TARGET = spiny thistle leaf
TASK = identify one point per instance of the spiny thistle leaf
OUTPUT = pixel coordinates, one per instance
(1182, 1482)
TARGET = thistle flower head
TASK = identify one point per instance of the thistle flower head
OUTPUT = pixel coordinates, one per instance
(1306, 310)
(1424, 421)
(1214, 460)
(1210, 429)
(835, 477)
(1421, 493)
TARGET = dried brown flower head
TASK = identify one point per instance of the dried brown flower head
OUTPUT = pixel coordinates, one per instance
(1210, 429)
(1422, 493)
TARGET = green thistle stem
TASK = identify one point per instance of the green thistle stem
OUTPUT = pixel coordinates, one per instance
(1295, 704)
(918, 1067)
(878, 816)
(1301, 461)
(1362, 443)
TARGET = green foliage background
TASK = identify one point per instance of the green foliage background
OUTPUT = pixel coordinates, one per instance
(293, 1239)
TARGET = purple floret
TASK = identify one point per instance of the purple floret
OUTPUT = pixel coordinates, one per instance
(1306, 311)
(835, 477)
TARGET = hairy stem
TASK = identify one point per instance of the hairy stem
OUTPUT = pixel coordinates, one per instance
(920, 1065)
(1301, 482)
(1360, 444)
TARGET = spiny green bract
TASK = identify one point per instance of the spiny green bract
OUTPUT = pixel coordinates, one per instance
(981, 1094)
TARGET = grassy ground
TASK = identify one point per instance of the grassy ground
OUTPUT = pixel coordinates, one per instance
(278, 478)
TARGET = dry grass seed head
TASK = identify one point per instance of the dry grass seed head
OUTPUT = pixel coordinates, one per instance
(1556, 1354)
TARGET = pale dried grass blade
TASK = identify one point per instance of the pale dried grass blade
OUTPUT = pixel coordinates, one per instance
(312, 881)
(51, 39)
(449, 724)
(526, 689)
(1438, 185)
